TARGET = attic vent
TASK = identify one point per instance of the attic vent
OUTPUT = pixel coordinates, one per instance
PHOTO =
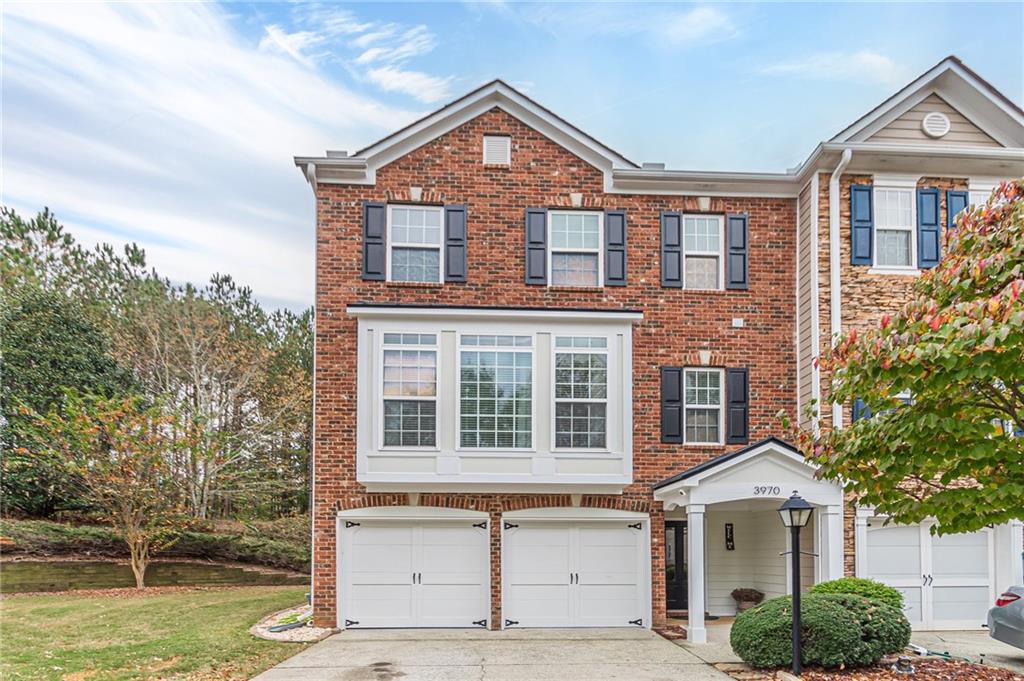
(497, 150)
(935, 124)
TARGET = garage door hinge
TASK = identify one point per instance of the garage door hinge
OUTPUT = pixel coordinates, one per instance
(482, 525)
(349, 523)
(509, 526)
(509, 623)
(635, 526)
(481, 623)
(349, 623)
(638, 622)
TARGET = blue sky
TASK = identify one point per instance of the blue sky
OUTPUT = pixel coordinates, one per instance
(173, 124)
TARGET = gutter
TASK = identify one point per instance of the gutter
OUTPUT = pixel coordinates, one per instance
(835, 294)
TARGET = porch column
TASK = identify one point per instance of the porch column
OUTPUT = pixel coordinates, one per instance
(695, 631)
(860, 541)
(831, 552)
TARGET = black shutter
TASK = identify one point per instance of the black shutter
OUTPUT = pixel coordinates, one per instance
(455, 243)
(737, 266)
(672, 405)
(671, 250)
(536, 246)
(615, 248)
(375, 250)
(862, 224)
(955, 202)
(929, 228)
(737, 416)
(860, 410)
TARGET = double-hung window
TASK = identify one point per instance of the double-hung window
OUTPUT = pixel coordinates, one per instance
(414, 243)
(702, 414)
(581, 392)
(496, 392)
(409, 390)
(895, 231)
(576, 248)
(702, 251)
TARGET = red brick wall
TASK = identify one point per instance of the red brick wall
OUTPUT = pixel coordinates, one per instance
(676, 325)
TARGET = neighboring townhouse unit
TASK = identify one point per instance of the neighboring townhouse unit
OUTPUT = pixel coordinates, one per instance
(548, 378)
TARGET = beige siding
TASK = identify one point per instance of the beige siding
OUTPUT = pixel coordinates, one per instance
(907, 128)
(805, 301)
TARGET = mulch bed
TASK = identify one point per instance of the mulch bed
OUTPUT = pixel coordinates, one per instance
(933, 669)
(132, 592)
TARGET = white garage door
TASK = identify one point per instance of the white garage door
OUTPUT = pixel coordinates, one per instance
(588, 574)
(946, 581)
(414, 574)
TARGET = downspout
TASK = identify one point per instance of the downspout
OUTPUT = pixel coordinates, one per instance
(835, 294)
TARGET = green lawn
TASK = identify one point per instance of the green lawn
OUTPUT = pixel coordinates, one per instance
(184, 635)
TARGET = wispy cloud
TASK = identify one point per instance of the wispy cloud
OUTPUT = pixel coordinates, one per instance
(863, 65)
(160, 124)
(424, 87)
(377, 52)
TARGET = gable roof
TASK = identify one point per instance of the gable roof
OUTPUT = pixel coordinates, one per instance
(725, 458)
(970, 94)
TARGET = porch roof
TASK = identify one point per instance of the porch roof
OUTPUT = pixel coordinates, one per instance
(724, 458)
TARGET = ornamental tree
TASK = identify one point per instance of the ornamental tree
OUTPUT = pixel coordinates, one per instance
(953, 451)
(120, 450)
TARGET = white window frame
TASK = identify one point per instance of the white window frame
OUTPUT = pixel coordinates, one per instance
(911, 189)
(720, 254)
(721, 406)
(551, 250)
(532, 349)
(426, 247)
(555, 400)
(382, 398)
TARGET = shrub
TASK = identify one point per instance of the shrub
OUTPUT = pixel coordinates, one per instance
(868, 588)
(837, 630)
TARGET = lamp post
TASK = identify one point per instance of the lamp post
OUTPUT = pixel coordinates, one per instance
(796, 513)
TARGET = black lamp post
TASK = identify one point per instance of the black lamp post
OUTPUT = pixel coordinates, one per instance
(796, 513)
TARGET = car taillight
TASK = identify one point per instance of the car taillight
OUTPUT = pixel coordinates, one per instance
(1006, 599)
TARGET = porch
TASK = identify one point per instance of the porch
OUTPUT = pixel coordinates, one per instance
(723, 532)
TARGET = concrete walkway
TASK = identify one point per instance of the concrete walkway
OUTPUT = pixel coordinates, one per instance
(524, 655)
(972, 644)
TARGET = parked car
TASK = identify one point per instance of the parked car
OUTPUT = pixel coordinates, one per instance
(1006, 620)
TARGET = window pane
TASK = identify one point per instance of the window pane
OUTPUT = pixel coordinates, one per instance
(702, 425)
(575, 230)
(893, 248)
(586, 379)
(416, 226)
(580, 424)
(573, 269)
(701, 272)
(495, 397)
(415, 264)
(410, 373)
(410, 423)
(703, 388)
(702, 234)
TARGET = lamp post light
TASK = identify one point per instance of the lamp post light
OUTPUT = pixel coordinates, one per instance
(796, 513)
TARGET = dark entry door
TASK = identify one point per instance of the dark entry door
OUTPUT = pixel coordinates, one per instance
(675, 565)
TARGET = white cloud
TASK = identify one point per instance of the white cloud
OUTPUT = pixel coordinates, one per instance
(159, 124)
(291, 44)
(388, 47)
(864, 65)
(423, 87)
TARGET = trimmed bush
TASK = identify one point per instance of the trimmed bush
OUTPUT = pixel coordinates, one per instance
(868, 588)
(838, 630)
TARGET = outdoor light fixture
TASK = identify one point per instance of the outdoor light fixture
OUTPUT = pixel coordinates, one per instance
(795, 514)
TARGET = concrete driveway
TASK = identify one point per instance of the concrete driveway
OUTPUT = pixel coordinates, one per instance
(526, 655)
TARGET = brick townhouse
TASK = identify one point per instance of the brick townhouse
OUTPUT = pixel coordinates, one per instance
(548, 377)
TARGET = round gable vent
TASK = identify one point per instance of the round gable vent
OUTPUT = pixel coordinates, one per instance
(935, 124)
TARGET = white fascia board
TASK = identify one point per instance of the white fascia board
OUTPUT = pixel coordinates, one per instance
(497, 487)
(412, 513)
(700, 183)
(405, 312)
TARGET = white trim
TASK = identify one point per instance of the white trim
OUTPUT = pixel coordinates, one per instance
(378, 406)
(796, 325)
(895, 271)
(611, 362)
(719, 255)
(816, 303)
(905, 185)
(474, 313)
(980, 185)
(574, 513)
(413, 513)
(835, 279)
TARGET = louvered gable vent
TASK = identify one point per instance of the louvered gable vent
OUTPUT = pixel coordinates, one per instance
(497, 150)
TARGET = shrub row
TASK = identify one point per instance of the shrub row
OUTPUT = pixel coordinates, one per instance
(44, 538)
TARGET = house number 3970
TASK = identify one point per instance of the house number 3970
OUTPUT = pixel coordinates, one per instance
(766, 490)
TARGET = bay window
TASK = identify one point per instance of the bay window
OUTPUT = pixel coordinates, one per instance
(496, 392)
(409, 390)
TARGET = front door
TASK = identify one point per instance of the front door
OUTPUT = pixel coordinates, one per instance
(675, 565)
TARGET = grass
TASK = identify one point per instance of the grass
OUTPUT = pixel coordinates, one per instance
(178, 635)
